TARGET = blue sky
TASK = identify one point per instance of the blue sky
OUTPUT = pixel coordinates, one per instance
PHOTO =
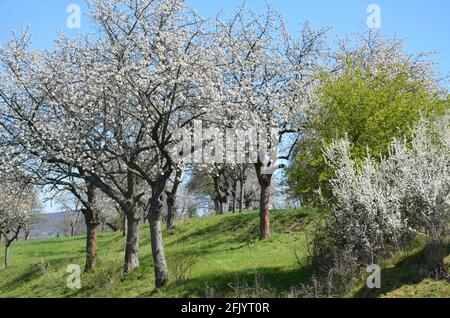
(424, 24)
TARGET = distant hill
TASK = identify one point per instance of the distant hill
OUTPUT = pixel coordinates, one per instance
(52, 225)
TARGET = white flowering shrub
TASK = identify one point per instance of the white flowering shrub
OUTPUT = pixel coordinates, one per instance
(378, 205)
(366, 210)
(420, 173)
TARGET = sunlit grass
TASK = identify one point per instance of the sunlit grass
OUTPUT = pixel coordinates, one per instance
(225, 256)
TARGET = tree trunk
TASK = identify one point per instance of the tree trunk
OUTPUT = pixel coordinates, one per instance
(91, 245)
(264, 213)
(170, 212)
(264, 181)
(241, 196)
(159, 258)
(92, 223)
(171, 195)
(247, 204)
(217, 205)
(221, 207)
(233, 198)
(221, 197)
(124, 225)
(7, 247)
(132, 246)
(224, 204)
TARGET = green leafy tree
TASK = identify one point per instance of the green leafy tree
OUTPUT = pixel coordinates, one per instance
(370, 102)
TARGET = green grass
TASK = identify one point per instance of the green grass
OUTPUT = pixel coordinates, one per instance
(408, 275)
(224, 251)
(226, 258)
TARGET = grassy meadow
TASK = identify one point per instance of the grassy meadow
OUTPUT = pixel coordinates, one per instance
(216, 256)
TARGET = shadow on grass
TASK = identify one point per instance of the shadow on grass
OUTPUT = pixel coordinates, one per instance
(242, 228)
(239, 228)
(32, 273)
(260, 282)
(49, 259)
(411, 270)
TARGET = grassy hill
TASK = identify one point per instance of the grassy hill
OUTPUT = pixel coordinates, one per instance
(214, 256)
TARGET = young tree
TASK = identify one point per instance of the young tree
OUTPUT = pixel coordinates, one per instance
(16, 210)
(241, 174)
(71, 221)
(36, 218)
(213, 181)
(71, 209)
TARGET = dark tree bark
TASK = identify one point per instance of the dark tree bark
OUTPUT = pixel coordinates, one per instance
(7, 248)
(264, 213)
(233, 197)
(221, 195)
(124, 225)
(8, 242)
(91, 244)
(171, 195)
(91, 219)
(159, 258)
(112, 227)
(248, 203)
(220, 203)
(241, 195)
(132, 245)
(170, 212)
(128, 201)
(264, 181)
(217, 205)
(241, 179)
